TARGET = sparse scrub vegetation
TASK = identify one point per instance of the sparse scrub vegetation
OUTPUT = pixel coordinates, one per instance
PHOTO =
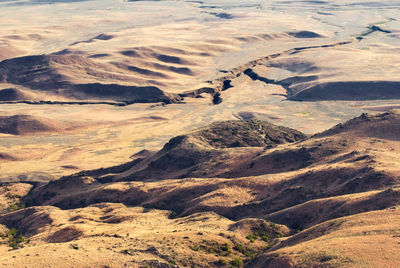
(15, 206)
(222, 263)
(173, 215)
(248, 252)
(251, 237)
(239, 247)
(14, 238)
(237, 262)
(226, 247)
(74, 246)
(263, 235)
(12, 196)
(214, 247)
(328, 259)
(265, 238)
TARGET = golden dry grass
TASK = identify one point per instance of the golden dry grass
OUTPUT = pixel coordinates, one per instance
(329, 201)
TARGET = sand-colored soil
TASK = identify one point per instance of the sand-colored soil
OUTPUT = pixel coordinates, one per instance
(285, 203)
(92, 94)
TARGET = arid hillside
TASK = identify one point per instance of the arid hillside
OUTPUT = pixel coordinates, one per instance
(241, 193)
(58, 75)
(185, 133)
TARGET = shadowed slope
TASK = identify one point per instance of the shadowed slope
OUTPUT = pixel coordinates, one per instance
(386, 126)
(12, 94)
(336, 165)
(198, 153)
(26, 124)
(76, 77)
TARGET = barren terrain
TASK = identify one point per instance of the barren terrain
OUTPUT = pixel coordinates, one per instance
(199, 133)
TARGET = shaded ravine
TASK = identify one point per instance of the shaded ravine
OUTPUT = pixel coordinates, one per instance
(123, 103)
(371, 29)
(224, 83)
(66, 103)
